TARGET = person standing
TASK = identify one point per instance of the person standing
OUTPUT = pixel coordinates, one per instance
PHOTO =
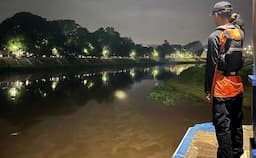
(223, 85)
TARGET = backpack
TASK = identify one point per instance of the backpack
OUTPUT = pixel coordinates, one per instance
(230, 57)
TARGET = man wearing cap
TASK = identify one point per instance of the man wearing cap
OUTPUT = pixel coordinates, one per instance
(223, 85)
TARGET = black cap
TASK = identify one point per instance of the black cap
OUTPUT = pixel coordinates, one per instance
(223, 7)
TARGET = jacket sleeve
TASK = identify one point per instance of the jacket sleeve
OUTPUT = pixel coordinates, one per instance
(211, 61)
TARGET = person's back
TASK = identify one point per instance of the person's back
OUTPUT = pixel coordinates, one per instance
(224, 59)
(223, 85)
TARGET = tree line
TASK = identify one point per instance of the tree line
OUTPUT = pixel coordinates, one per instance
(26, 33)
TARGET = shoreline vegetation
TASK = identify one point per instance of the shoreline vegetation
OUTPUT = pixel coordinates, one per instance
(42, 64)
(190, 85)
(11, 64)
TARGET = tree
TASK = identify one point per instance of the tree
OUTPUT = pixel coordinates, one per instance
(126, 46)
(142, 50)
(195, 47)
(16, 46)
(165, 49)
(39, 36)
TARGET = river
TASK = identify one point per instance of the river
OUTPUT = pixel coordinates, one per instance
(93, 114)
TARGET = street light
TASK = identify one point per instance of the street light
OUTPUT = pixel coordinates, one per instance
(86, 51)
(133, 54)
(155, 53)
(16, 46)
(105, 52)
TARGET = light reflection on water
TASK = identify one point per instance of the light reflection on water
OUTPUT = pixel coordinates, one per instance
(50, 108)
(119, 94)
(81, 86)
(178, 69)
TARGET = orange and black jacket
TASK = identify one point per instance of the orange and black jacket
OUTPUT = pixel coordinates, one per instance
(218, 84)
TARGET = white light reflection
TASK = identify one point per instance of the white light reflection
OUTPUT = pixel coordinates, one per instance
(132, 73)
(18, 84)
(27, 82)
(119, 94)
(155, 72)
(90, 85)
(13, 92)
(105, 77)
(84, 82)
(55, 82)
(54, 85)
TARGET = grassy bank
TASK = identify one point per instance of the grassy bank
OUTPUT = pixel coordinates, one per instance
(190, 84)
(42, 64)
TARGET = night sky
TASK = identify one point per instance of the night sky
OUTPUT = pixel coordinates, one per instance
(145, 21)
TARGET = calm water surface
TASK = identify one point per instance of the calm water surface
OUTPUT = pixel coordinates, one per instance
(94, 114)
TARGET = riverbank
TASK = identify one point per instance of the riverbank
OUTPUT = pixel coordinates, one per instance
(190, 84)
(50, 64)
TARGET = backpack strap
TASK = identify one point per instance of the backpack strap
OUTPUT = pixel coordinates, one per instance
(222, 37)
(229, 32)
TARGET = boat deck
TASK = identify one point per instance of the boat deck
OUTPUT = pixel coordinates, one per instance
(200, 142)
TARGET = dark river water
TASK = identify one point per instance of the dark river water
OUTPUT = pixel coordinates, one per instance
(93, 114)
